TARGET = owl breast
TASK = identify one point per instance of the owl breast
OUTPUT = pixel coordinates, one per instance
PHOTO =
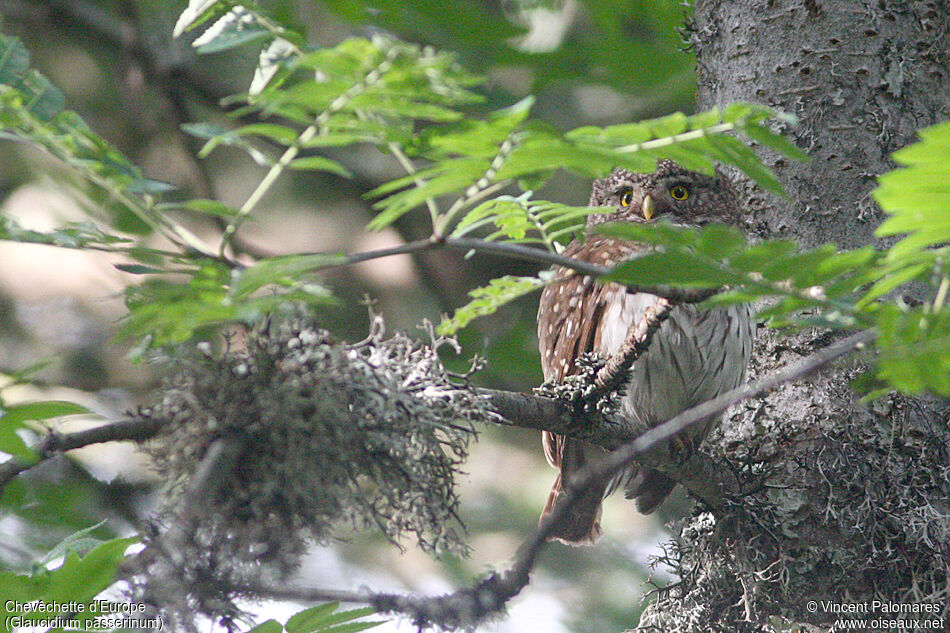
(696, 356)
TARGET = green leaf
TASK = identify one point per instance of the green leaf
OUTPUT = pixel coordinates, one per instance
(759, 255)
(914, 350)
(150, 186)
(218, 135)
(204, 130)
(269, 64)
(891, 281)
(765, 137)
(197, 12)
(443, 178)
(325, 619)
(82, 578)
(734, 152)
(284, 271)
(319, 163)
(310, 619)
(277, 133)
(352, 627)
(720, 242)
(37, 95)
(13, 444)
(17, 414)
(78, 542)
(237, 27)
(658, 233)
(488, 299)
(14, 417)
(800, 267)
(268, 626)
(138, 269)
(675, 267)
(916, 195)
(170, 312)
(14, 60)
(42, 98)
(506, 213)
(230, 40)
(77, 579)
(341, 621)
(210, 207)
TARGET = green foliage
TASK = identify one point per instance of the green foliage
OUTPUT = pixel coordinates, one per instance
(488, 299)
(412, 101)
(605, 52)
(474, 159)
(914, 343)
(326, 618)
(405, 99)
(112, 187)
(837, 289)
(77, 579)
(917, 196)
(525, 220)
(214, 295)
(821, 287)
(717, 256)
(29, 90)
(14, 417)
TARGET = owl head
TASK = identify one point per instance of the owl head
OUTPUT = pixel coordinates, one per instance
(671, 192)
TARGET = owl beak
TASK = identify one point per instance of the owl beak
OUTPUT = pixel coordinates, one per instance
(648, 208)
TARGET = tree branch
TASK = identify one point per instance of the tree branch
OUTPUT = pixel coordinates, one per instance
(55, 443)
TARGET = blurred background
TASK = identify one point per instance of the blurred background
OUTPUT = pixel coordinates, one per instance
(586, 62)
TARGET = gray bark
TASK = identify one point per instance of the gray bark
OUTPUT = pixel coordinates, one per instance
(855, 504)
(862, 76)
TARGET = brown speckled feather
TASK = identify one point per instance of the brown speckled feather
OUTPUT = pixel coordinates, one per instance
(569, 314)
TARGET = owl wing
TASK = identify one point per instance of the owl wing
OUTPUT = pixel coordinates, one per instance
(571, 318)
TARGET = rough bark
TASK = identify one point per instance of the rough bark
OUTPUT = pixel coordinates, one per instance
(862, 76)
(855, 505)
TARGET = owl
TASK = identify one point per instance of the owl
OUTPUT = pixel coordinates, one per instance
(696, 355)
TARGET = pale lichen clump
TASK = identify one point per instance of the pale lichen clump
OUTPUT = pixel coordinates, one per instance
(314, 439)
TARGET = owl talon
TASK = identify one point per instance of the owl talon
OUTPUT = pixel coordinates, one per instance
(681, 448)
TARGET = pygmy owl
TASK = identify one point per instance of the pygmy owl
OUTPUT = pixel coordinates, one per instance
(696, 355)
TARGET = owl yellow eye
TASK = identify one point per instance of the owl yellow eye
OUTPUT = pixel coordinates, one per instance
(679, 192)
(626, 198)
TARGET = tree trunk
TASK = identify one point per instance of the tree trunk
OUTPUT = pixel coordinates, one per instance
(855, 504)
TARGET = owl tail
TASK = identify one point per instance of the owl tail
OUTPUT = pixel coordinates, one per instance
(582, 525)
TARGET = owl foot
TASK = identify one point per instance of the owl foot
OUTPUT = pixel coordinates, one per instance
(681, 448)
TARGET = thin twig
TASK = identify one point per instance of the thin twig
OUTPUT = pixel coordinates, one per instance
(614, 373)
(523, 253)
